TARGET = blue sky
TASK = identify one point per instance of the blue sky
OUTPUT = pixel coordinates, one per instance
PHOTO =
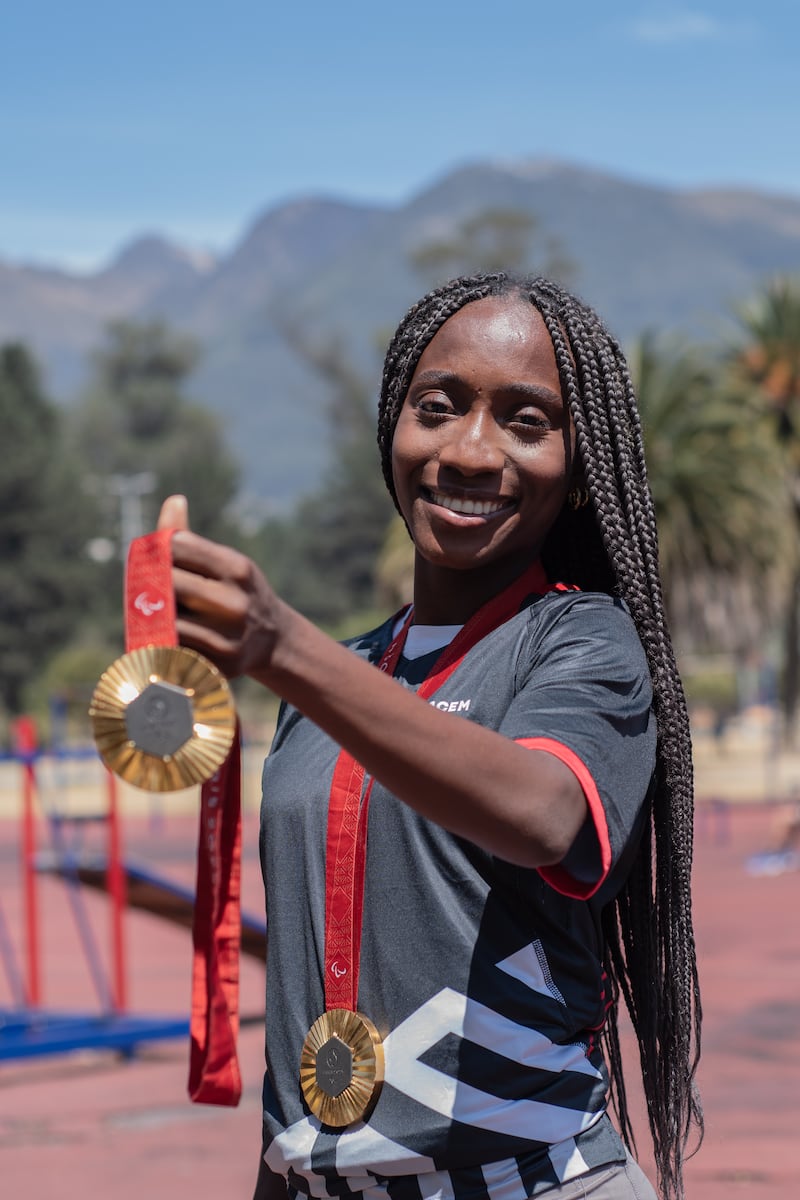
(191, 118)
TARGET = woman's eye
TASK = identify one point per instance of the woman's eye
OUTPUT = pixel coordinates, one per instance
(434, 404)
(529, 422)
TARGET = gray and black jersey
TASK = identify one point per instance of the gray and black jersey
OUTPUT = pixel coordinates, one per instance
(485, 979)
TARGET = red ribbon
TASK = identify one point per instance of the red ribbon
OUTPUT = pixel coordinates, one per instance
(348, 810)
(149, 598)
(214, 1076)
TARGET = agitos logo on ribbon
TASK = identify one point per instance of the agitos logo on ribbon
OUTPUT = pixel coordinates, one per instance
(163, 719)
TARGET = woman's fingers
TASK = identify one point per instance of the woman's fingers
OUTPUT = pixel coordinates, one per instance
(213, 643)
(225, 607)
(196, 554)
(214, 602)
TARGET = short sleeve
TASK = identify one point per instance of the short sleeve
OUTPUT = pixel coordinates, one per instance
(583, 694)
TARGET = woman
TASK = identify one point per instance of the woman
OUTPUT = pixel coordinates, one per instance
(526, 856)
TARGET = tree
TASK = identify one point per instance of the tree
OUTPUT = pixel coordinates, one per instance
(136, 421)
(768, 358)
(395, 570)
(715, 474)
(495, 239)
(323, 558)
(141, 439)
(45, 522)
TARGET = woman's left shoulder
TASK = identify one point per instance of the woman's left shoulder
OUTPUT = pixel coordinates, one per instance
(571, 605)
(586, 626)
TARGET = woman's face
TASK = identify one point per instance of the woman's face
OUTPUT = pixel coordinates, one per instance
(483, 451)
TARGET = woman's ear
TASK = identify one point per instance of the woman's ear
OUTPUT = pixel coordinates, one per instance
(578, 494)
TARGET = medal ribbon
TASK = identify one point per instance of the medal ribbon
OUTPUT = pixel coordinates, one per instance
(347, 812)
(214, 1076)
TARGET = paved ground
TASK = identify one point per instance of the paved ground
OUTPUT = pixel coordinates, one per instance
(90, 1125)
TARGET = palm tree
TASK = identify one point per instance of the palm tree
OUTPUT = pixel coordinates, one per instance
(716, 476)
(768, 357)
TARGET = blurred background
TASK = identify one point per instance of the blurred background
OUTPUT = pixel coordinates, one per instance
(211, 219)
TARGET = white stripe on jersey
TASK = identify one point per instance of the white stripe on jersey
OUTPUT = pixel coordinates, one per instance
(529, 966)
(363, 1146)
(449, 1012)
(503, 1180)
(292, 1149)
(436, 1185)
(567, 1160)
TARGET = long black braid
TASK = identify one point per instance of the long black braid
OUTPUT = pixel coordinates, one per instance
(611, 545)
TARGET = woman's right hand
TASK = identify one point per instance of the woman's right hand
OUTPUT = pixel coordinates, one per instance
(226, 610)
(524, 805)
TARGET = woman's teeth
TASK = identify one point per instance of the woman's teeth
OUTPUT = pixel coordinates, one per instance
(479, 508)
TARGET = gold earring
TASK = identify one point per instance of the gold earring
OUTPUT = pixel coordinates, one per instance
(578, 498)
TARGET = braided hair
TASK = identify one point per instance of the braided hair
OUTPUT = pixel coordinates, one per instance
(611, 545)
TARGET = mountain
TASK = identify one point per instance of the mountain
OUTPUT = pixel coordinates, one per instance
(645, 257)
(61, 315)
(316, 273)
(283, 246)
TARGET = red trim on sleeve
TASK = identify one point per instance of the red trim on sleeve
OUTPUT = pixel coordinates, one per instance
(557, 876)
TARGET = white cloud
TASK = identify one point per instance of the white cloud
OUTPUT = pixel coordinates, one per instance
(677, 26)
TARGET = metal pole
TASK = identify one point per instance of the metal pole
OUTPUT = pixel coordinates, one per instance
(129, 489)
(32, 983)
(116, 892)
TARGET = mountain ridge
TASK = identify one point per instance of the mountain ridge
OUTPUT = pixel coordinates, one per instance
(325, 272)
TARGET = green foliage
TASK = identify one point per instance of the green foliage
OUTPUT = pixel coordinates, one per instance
(716, 475)
(769, 355)
(67, 680)
(768, 359)
(494, 239)
(395, 573)
(713, 686)
(64, 486)
(322, 559)
(358, 622)
(136, 421)
(715, 469)
(45, 522)
(142, 440)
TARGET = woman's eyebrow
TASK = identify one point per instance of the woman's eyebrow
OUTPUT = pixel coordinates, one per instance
(534, 393)
(433, 378)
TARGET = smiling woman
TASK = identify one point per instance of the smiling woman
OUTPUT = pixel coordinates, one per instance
(472, 852)
(483, 453)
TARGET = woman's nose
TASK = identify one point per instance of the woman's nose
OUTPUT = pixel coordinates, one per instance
(472, 445)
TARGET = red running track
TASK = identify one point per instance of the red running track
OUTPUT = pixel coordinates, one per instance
(90, 1125)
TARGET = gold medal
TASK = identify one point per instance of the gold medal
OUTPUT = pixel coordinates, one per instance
(163, 718)
(341, 1067)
